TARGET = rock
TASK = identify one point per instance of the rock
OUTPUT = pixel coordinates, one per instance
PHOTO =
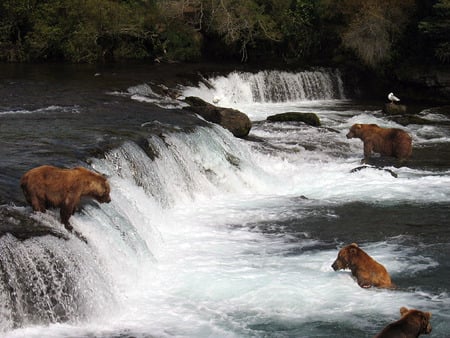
(394, 109)
(22, 226)
(405, 120)
(354, 170)
(235, 121)
(307, 118)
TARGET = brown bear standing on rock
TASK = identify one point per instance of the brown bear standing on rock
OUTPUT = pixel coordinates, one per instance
(47, 186)
(392, 142)
(412, 324)
(367, 271)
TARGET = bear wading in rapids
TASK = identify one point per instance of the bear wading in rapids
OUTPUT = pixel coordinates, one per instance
(367, 271)
(392, 142)
(412, 324)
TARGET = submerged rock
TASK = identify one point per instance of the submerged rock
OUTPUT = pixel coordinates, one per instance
(235, 121)
(307, 118)
(354, 170)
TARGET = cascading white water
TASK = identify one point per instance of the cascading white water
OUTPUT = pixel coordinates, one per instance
(192, 244)
(270, 87)
(46, 281)
(175, 244)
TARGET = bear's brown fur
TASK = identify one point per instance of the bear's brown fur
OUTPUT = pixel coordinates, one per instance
(47, 186)
(391, 142)
(367, 271)
(412, 324)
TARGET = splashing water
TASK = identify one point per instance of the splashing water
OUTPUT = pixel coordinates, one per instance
(211, 236)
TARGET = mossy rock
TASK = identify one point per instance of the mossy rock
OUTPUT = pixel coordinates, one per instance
(307, 118)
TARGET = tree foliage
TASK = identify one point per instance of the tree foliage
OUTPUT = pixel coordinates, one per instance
(436, 29)
(294, 30)
(371, 28)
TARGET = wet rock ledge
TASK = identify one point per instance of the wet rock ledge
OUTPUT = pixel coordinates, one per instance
(235, 121)
(20, 225)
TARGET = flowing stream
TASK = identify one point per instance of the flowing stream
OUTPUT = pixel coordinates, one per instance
(208, 235)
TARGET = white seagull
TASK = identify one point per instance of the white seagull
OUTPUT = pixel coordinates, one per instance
(393, 98)
(216, 99)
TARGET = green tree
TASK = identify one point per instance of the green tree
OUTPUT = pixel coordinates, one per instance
(371, 28)
(14, 26)
(301, 29)
(240, 23)
(436, 29)
(77, 30)
(86, 31)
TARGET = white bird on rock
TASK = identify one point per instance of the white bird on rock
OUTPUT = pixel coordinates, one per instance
(393, 98)
(216, 99)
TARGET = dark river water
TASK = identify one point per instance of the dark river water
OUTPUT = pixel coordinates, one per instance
(208, 235)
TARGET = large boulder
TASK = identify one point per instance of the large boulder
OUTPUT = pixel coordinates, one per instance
(235, 121)
(307, 118)
(394, 109)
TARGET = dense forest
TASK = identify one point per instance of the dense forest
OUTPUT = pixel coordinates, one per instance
(377, 34)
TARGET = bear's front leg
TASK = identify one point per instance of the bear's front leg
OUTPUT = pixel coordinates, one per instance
(365, 284)
(38, 204)
(65, 214)
(368, 147)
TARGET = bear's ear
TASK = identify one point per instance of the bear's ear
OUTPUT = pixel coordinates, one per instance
(358, 126)
(403, 310)
(354, 244)
(427, 315)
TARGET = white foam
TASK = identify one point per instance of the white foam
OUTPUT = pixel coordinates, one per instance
(241, 88)
(181, 243)
(49, 109)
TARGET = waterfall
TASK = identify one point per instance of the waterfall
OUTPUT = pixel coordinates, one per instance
(46, 279)
(270, 87)
(59, 278)
(204, 238)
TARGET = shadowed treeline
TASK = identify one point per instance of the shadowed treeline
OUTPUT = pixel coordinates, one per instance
(378, 34)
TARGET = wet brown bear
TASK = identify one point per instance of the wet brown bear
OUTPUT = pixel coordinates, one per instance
(49, 186)
(392, 142)
(367, 271)
(412, 324)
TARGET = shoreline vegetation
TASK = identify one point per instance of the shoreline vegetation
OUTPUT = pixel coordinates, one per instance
(404, 42)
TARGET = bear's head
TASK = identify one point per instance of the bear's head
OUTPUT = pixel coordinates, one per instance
(422, 319)
(102, 191)
(358, 130)
(355, 131)
(98, 186)
(345, 257)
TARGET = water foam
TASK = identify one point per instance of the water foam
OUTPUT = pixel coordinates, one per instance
(269, 87)
(49, 109)
(183, 246)
(193, 268)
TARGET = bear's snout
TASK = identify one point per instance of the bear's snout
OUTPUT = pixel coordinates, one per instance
(350, 135)
(106, 199)
(335, 265)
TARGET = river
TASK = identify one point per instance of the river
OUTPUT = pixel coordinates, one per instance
(208, 235)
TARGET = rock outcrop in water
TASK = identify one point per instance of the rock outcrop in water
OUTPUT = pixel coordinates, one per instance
(307, 118)
(235, 121)
(394, 109)
(22, 226)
